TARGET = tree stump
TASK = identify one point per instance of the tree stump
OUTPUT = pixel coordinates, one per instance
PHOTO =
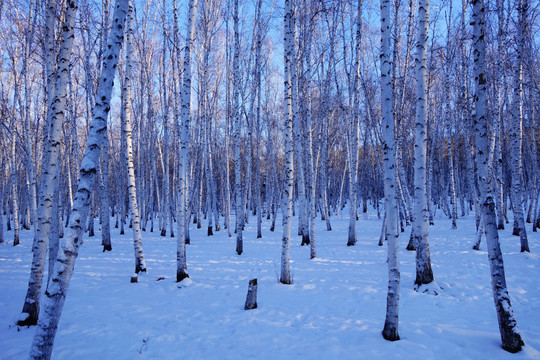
(251, 298)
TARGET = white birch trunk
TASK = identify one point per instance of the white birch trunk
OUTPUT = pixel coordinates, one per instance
(57, 115)
(285, 277)
(55, 295)
(390, 330)
(510, 335)
(354, 122)
(183, 215)
(140, 264)
(516, 133)
(293, 72)
(310, 129)
(239, 206)
(14, 195)
(424, 273)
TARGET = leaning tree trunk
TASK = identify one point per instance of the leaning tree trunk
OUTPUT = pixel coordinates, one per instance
(55, 295)
(510, 335)
(390, 330)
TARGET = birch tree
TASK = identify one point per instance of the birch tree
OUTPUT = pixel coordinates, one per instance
(516, 130)
(57, 114)
(390, 330)
(285, 277)
(181, 263)
(239, 205)
(140, 264)
(424, 273)
(510, 335)
(53, 302)
(354, 123)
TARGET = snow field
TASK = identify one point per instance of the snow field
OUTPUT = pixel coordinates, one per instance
(334, 309)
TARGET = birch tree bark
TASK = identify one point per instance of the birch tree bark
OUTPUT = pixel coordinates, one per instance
(183, 215)
(354, 122)
(55, 295)
(285, 277)
(516, 131)
(50, 171)
(140, 264)
(390, 330)
(510, 335)
(239, 205)
(424, 273)
(311, 130)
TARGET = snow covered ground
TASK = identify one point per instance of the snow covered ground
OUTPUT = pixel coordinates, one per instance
(334, 310)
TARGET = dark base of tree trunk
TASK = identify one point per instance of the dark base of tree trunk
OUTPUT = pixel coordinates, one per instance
(16, 241)
(134, 279)
(500, 226)
(181, 275)
(390, 333)
(423, 277)
(411, 246)
(32, 310)
(259, 235)
(305, 240)
(172, 234)
(210, 232)
(107, 247)
(251, 297)
(272, 228)
(163, 232)
(328, 227)
(239, 248)
(516, 229)
(511, 340)
(351, 242)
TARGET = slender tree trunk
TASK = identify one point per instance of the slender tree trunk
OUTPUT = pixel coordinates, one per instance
(183, 215)
(510, 335)
(390, 330)
(424, 273)
(239, 206)
(516, 132)
(285, 277)
(57, 114)
(55, 295)
(104, 187)
(140, 264)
